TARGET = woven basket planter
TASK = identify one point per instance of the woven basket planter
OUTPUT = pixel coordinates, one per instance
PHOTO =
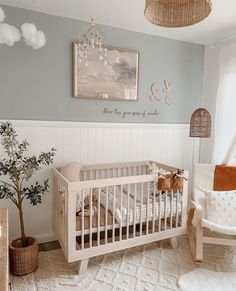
(23, 260)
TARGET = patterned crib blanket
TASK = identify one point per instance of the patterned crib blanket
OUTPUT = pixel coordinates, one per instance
(135, 207)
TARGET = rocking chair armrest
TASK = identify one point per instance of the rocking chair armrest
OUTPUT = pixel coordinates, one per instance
(196, 205)
(198, 209)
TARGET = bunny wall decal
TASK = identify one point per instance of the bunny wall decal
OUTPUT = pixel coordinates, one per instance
(167, 91)
(155, 92)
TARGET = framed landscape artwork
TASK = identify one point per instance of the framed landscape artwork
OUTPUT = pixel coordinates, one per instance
(116, 78)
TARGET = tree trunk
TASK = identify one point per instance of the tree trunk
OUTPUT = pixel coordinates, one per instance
(22, 227)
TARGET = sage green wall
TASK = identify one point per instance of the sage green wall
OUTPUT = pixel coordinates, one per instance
(36, 84)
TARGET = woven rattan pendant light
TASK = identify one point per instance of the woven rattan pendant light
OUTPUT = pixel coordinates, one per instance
(177, 13)
(200, 124)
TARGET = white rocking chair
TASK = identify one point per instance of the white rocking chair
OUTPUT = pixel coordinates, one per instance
(197, 219)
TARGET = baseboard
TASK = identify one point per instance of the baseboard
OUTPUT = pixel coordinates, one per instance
(47, 237)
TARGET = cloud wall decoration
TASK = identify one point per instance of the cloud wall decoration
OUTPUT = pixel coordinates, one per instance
(9, 34)
(2, 15)
(32, 36)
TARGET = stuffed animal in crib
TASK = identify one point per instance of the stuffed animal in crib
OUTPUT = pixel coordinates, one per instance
(152, 167)
(87, 206)
(87, 201)
(168, 181)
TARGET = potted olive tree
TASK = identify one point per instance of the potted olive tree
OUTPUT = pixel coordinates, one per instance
(16, 169)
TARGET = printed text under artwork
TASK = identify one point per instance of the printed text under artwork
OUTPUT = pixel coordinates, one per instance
(125, 114)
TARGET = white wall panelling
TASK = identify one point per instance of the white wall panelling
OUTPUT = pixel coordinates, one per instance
(96, 143)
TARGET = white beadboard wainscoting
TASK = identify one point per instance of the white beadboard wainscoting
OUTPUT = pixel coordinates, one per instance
(95, 143)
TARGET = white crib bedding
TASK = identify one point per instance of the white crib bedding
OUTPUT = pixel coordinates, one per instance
(127, 205)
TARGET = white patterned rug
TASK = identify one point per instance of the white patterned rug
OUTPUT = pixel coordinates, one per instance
(151, 267)
(206, 280)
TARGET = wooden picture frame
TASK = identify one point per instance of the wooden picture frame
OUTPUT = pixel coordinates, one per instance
(118, 80)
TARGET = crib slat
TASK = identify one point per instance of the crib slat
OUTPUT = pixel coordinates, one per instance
(90, 217)
(55, 203)
(121, 202)
(64, 215)
(134, 226)
(177, 208)
(82, 238)
(147, 208)
(106, 212)
(159, 211)
(153, 208)
(182, 207)
(55, 214)
(165, 223)
(58, 210)
(60, 217)
(113, 216)
(141, 211)
(171, 210)
(128, 218)
(98, 213)
(60, 214)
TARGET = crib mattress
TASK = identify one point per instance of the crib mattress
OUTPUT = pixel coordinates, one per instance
(159, 209)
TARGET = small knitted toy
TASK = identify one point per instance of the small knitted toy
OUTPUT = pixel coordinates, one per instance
(87, 206)
(152, 167)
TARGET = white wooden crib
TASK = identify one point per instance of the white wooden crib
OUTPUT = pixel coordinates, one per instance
(129, 213)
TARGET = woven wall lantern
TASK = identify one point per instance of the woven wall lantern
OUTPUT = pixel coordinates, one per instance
(177, 13)
(200, 124)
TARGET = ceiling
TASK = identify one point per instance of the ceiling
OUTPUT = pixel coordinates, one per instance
(129, 14)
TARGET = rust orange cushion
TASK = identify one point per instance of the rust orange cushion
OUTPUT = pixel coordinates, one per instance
(224, 178)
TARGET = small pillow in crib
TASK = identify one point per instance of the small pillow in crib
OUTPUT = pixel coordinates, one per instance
(72, 171)
(221, 207)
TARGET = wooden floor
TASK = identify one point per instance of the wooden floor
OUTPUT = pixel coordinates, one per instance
(50, 246)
